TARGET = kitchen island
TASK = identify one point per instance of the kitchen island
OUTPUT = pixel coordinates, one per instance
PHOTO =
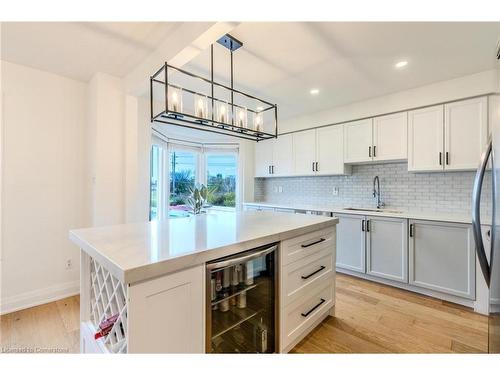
(151, 279)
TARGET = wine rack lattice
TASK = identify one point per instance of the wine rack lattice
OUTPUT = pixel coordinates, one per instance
(109, 297)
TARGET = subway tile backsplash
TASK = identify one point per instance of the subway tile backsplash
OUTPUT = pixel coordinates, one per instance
(437, 192)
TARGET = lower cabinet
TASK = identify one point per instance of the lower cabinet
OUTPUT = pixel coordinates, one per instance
(442, 257)
(374, 245)
(437, 256)
(387, 248)
(351, 243)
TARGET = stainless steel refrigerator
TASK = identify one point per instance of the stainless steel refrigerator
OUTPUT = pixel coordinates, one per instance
(489, 257)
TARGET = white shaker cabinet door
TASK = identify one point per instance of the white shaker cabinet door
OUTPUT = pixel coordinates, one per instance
(304, 152)
(167, 314)
(282, 156)
(390, 138)
(466, 131)
(330, 151)
(387, 248)
(358, 141)
(351, 243)
(425, 139)
(263, 158)
(442, 257)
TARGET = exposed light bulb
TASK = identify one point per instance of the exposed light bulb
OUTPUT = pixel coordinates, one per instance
(314, 91)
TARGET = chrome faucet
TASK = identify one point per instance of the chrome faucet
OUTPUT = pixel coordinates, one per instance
(376, 192)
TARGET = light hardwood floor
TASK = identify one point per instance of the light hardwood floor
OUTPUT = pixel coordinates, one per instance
(375, 318)
(53, 327)
(369, 318)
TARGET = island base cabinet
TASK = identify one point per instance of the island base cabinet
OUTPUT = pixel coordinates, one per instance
(166, 314)
(442, 257)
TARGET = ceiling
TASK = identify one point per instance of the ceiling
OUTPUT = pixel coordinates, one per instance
(280, 61)
(80, 49)
(349, 62)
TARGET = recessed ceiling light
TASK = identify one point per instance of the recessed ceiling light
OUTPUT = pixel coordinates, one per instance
(401, 64)
(314, 91)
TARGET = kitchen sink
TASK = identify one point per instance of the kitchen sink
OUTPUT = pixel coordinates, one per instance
(374, 210)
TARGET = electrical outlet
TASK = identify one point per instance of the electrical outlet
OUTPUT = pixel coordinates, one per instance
(69, 264)
(280, 189)
(335, 191)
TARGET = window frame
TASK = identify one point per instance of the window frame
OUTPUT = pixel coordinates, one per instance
(166, 146)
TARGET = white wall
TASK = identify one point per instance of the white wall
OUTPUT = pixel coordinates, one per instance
(471, 85)
(44, 187)
(106, 149)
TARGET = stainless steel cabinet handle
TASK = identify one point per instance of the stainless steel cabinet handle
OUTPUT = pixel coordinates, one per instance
(313, 243)
(241, 259)
(314, 273)
(369, 151)
(313, 167)
(440, 158)
(362, 225)
(374, 151)
(317, 168)
(367, 225)
(314, 308)
(269, 169)
(476, 213)
(272, 169)
(411, 230)
(447, 158)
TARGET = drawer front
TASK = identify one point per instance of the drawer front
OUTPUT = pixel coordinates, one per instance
(302, 246)
(301, 276)
(300, 315)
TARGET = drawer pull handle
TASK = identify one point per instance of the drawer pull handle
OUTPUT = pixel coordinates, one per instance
(314, 308)
(314, 273)
(314, 243)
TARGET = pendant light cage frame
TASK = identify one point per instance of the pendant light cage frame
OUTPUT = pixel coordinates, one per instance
(226, 112)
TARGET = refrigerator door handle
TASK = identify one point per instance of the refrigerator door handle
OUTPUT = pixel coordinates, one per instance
(476, 213)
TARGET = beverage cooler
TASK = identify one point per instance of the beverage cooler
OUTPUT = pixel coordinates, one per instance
(242, 302)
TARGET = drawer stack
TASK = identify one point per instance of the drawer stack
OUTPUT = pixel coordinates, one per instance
(307, 284)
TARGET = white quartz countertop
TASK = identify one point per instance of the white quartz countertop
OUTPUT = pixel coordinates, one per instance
(386, 212)
(136, 252)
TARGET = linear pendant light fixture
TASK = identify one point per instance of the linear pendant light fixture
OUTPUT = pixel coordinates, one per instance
(208, 105)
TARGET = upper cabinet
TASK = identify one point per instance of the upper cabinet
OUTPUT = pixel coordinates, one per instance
(304, 152)
(447, 137)
(358, 141)
(465, 133)
(390, 137)
(264, 158)
(282, 162)
(425, 139)
(330, 151)
(273, 157)
(379, 139)
(319, 152)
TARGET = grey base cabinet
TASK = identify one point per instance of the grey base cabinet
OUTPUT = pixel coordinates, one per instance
(374, 245)
(442, 257)
(387, 248)
(351, 243)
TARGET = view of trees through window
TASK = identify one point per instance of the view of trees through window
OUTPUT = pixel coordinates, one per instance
(219, 174)
(182, 177)
(221, 179)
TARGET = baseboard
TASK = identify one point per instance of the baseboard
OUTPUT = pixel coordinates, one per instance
(39, 297)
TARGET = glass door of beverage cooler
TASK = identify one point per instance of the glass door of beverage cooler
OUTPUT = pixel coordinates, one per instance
(242, 303)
